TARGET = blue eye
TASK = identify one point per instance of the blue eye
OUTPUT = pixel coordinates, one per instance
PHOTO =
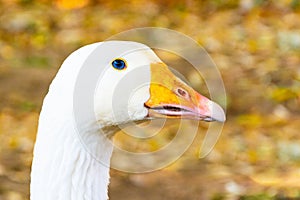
(119, 64)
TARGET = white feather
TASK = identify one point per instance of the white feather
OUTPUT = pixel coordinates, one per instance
(63, 168)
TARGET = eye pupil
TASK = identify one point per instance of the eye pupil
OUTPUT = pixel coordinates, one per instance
(118, 64)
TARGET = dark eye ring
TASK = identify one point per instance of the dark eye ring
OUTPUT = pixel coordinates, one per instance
(119, 64)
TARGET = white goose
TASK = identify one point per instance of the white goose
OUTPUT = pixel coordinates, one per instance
(64, 167)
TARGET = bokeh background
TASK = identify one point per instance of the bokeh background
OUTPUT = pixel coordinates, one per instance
(254, 43)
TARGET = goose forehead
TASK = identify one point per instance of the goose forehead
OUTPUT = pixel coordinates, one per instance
(140, 56)
(135, 54)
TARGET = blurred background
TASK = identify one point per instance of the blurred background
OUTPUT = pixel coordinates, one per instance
(255, 44)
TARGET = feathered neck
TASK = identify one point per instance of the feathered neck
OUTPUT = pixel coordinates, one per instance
(62, 168)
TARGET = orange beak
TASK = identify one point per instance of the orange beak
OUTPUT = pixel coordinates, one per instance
(172, 98)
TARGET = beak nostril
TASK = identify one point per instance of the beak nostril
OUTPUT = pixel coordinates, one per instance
(183, 93)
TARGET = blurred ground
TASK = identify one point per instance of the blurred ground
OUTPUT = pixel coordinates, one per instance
(255, 44)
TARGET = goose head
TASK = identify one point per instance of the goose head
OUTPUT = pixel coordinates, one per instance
(136, 84)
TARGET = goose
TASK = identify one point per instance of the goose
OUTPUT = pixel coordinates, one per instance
(121, 82)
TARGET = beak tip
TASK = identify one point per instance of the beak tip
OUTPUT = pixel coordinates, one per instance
(217, 112)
